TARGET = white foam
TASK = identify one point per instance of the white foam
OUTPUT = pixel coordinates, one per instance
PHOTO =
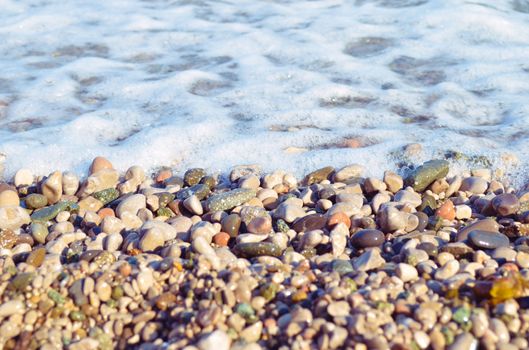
(284, 84)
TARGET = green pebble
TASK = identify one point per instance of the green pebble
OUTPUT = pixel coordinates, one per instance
(164, 212)
(117, 292)
(282, 226)
(77, 316)
(164, 198)
(254, 249)
(230, 199)
(21, 281)
(49, 213)
(39, 232)
(56, 297)
(427, 173)
(318, 175)
(107, 195)
(461, 315)
(36, 201)
(193, 176)
(448, 334)
(200, 190)
(209, 181)
(245, 310)
(343, 267)
(269, 291)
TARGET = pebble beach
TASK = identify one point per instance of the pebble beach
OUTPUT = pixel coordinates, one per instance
(255, 260)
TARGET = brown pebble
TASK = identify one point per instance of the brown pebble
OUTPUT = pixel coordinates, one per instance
(100, 163)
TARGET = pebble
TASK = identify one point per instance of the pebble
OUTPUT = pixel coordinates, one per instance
(36, 257)
(482, 225)
(145, 280)
(192, 203)
(427, 173)
(11, 307)
(393, 181)
(260, 225)
(338, 218)
(318, 176)
(39, 232)
(51, 188)
(70, 183)
(99, 163)
(407, 196)
(23, 177)
(447, 211)
(338, 237)
(152, 239)
(13, 217)
(131, 204)
(216, 340)
(231, 199)
(391, 219)
(338, 309)
(309, 223)
(343, 267)
(289, 212)
(9, 198)
(506, 204)
(231, 224)
(369, 260)
(464, 341)
(488, 240)
(348, 172)
(406, 272)
(367, 238)
(447, 270)
(476, 185)
(250, 250)
(463, 212)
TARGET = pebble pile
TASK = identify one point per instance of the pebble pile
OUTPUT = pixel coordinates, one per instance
(256, 261)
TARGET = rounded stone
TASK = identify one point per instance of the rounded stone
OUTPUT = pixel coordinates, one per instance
(231, 225)
(406, 272)
(391, 219)
(367, 238)
(23, 177)
(39, 232)
(131, 204)
(506, 204)
(52, 187)
(260, 225)
(9, 198)
(192, 203)
(152, 238)
(488, 240)
(473, 184)
(100, 163)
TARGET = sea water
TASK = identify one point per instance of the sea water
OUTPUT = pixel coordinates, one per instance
(287, 84)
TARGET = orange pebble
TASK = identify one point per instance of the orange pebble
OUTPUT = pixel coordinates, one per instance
(221, 239)
(509, 267)
(125, 269)
(105, 212)
(337, 218)
(447, 210)
(163, 175)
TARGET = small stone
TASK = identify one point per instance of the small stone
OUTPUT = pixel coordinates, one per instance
(506, 204)
(9, 198)
(8, 239)
(348, 172)
(289, 213)
(192, 203)
(488, 240)
(447, 211)
(464, 341)
(217, 340)
(100, 163)
(193, 176)
(482, 225)
(476, 185)
(152, 238)
(231, 199)
(89, 204)
(368, 238)
(11, 307)
(260, 225)
(131, 204)
(461, 315)
(36, 257)
(408, 197)
(70, 183)
(406, 272)
(106, 196)
(39, 232)
(369, 260)
(145, 280)
(254, 249)
(23, 177)
(103, 290)
(231, 225)
(463, 212)
(338, 309)
(338, 218)
(393, 181)
(447, 270)
(49, 213)
(309, 223)
(318, 176)
(338, 237)
(13, 217)
(113, 242)
(427, 173)
(343, 267)
(391, 219)
(199, 190)
(221, 239)
(36, 201)
(51, 188)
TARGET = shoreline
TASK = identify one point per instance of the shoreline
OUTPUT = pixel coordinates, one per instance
(333, 260)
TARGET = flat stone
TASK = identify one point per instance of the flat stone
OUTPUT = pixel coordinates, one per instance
(506, 204)
(348, 172)
(488, 240)
(36, 257)
(152, 238)
(482, 225)
(11, 307)
(250, 250)
(199, 190)
(231, 199)
(427, 173)
(368, 238)
(49, 213)
(309, 223)
(391, 219)
(318, 176)
(106, 196)
(289, 212)
(343, 267)
(369, 260)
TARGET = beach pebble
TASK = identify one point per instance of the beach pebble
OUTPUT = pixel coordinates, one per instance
(408, 196)
(11, 307)
(217, 340)
(393, 181)
(23, 177)
(70, 183)
(367, 238)
(482, 225)
(231, 199)
(13, 217)
(448, 270)
(476, 185)
(309, 223)
(192, 203)
(9, 198)
(447, 211)
(427, 173)
(464, 341)
(260, 225)
(463, 212)
(145, 280)
(506, 204)
(488, 240)
(318, 176)
(99, 163)
(406, 272)
(52, 187)
(369, 260)
(348, 172)
(131, 204)
(289, 212)
(391, 219)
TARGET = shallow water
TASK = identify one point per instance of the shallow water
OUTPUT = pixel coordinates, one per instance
(287, 84)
